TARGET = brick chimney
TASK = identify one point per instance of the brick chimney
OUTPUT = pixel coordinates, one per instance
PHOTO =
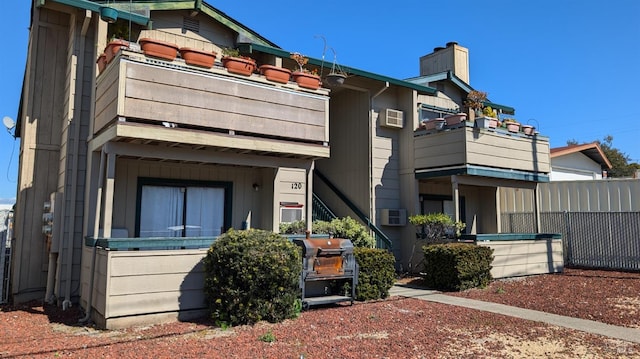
(453, 57)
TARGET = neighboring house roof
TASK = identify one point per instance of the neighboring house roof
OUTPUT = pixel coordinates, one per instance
(465, 87)
(591, 150)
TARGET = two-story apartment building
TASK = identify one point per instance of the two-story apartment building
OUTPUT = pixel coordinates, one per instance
(129, 173)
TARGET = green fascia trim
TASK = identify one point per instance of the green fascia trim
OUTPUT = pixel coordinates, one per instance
(439, 109)
(488, 237)
(449, 75)
(194, 5)
(505, 109)
(249, 48)
(147, 243)
(123, 12)
(484, 172)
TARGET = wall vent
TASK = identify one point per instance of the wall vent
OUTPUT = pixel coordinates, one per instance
(393, 217)
(190, 24)
(391, 118)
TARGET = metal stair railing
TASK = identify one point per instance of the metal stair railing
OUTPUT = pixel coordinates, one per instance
(382, 241)
(321, 211)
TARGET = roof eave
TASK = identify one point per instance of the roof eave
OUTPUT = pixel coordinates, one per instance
(251, 47)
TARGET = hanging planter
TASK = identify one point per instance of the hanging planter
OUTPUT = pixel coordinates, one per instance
(159, 49)
(306, 80)
(335, 79)
(275, 73)
(113, 47)
(197, 57)
(108, 14)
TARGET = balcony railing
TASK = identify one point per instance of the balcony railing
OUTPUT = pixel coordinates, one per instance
(160, 94)
(466, 145)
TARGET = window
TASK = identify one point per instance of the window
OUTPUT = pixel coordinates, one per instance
(441, 204)
(182, 208)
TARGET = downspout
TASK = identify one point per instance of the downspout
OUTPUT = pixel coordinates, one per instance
(96, 231)
(74, 178)
(371, 139)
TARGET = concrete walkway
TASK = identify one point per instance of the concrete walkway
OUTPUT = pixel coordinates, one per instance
(589, 326)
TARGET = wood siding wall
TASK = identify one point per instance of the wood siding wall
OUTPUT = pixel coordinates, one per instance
(136, 90)
(140, 287)
(41, 124)
(525, 257)
(481, 147)
(348, 167)
(245, 199)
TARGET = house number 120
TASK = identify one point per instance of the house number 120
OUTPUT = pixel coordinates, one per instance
(296, 185)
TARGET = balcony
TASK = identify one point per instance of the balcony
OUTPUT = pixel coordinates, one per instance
(464, 149)
(144, 100)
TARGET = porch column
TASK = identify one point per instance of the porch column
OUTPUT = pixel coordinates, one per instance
(456, 197)
(498, 211)
(309, 209)
(108, 195)
(536, 207)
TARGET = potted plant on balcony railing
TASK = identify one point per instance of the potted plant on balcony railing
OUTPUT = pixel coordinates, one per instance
(157, 48)
(511, 124)
(236, 63)
(196, 57)
(304, 77)
(275, 73)
(489, 118)
(475, 102)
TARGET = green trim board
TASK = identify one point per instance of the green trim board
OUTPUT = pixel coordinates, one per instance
(251, 47)
(124, 244)
(481, 171)
(123, 12)
(450, 76)
(487, 237)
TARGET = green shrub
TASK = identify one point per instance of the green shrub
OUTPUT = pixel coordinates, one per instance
(457, 266)
(436, 227)
(251, 276)
(345, 227)
(376, 273)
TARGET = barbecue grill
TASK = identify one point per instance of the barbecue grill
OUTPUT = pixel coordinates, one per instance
(328, 265)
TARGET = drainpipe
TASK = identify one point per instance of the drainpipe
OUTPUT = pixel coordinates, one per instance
(371, 139)
(74, 171)
(96, 231)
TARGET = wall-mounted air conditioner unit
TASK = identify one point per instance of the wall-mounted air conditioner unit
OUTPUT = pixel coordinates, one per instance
(393, 217)
(391, 118)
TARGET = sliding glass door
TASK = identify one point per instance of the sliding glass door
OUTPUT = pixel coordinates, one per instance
(182, 209)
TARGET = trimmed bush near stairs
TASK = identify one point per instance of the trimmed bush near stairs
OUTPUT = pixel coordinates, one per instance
(376, 273)
(252, 276)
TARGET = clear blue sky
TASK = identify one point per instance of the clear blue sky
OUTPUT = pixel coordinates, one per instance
(569, 66)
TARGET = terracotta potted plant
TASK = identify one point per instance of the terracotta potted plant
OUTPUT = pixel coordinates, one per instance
(197, 57)
(528, 130)
(160, 49)
(113, 47)
(434, 124)
(511, 124)
(305, 78)
(237, 64)
(275, 73)
(102, 62)
(456, 119)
